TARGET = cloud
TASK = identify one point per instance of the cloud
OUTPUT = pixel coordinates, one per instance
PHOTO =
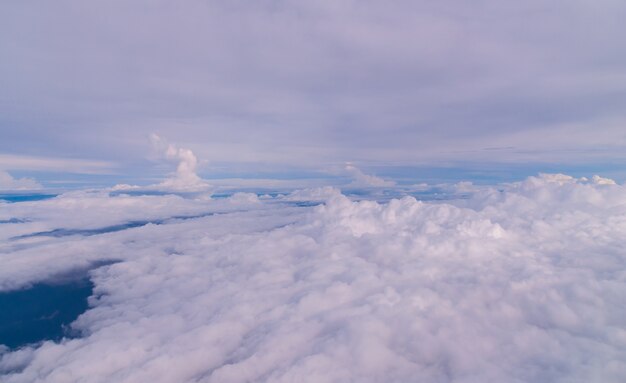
(54, 164)
(7, 182)
(320, 194)
(267, 183)
(602, 180)
(408, 82)
(185, 177)
(360, 179)
(519, 282)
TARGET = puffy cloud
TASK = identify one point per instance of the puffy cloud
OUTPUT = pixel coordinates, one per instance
(185, 177)
(7, 182)
(602, 180)
(360, 179)
(523, 282)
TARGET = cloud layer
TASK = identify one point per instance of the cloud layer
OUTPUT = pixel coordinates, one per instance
(520, 283)
(293, 83)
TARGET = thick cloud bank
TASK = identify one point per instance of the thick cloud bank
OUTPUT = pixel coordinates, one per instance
(522, 283)
(313, 84)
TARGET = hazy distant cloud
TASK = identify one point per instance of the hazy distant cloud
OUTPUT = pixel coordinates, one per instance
(299, 83)
(361, 179)
(56, 164)
(7, 182)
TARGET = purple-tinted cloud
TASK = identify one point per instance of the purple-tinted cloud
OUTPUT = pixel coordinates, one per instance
(291, 82)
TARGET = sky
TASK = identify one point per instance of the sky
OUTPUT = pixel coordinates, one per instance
(314, 191)
(288, 89)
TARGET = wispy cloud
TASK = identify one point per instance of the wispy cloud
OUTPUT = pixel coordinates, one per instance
(56, 164)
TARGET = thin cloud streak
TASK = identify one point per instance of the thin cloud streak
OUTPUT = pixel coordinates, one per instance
(35, 163)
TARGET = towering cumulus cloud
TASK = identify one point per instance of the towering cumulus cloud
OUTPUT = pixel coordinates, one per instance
(520, 283)
(185, 177)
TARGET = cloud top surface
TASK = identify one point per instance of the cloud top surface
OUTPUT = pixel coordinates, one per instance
(521, 283)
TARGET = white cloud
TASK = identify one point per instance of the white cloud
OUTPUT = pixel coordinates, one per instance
(360, 179)
(519, 283)
(7, 182)
(602, 180)
(185, 177)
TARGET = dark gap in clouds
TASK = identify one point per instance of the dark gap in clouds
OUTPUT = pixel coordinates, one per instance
(13, 198)
(45, 310)
(61, 232)
(58, 233)
(304, 203)
(433, 193)
(13, 220)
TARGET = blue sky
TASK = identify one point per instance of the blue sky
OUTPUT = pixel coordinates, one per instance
(491, 89)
